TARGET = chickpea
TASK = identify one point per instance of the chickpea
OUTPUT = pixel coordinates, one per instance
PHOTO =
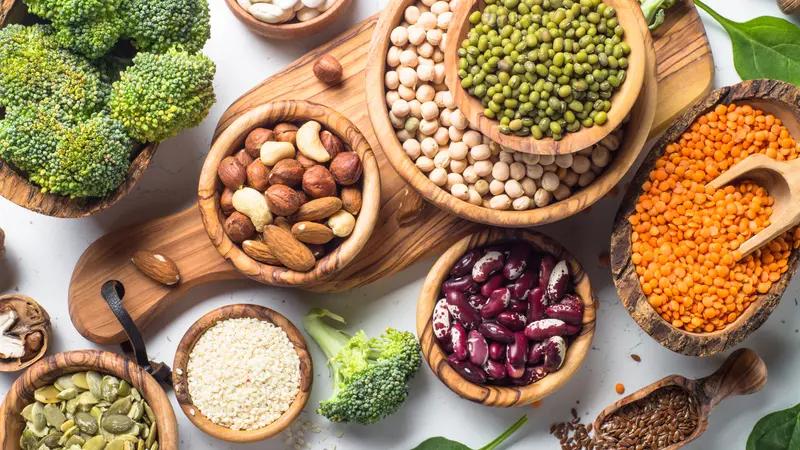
(401, 108)
(438, 72)
(427, 21)
(425, 164)
(562, 192)
(425, 72)
(392, 80)
(472, 138)
(460, 191)
(458, 165)
(425, 49)
(443, 21)
(550, 181)
(458, 150)
(474, 197)
(433, 37)
(586, 179)
(546, 160)
(438, 54)
(425, 93)
(438, 176)
(601, 156)
(501, 170)
(517, 171)
(571, 179)
(440, 7)
(497, 187)
(514, 189)
(482, 187)
(485, 203)
(439, 99)
(442, 159)
(415, 108)
(441, 136)
(407, 93)
(397, 122)
(393, 56)
(428, 3)
(428, 127)
(412, 148)
(469, 174)
(455, 134)
(483, 168)
(521, 204)
(459, 120)
(444, 118)
(528, 187)
(416, 35)
(391, 97)
(530, 159)
(429, 110)
(426, 61)
(480, 152)
(409, 58)
(542, 198)
(449, 103)
(429, 147)
(408, 76)
(564, 161)
(399, 36)
(453, 179)
(500, 202)
(404, 135)
(411, 14)
(580, 164)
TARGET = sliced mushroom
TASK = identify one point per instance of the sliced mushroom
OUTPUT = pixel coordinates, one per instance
(25, 332)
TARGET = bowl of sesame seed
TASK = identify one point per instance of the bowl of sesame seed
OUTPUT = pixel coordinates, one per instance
(242, 373)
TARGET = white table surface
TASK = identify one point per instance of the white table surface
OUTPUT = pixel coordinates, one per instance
(42, 251)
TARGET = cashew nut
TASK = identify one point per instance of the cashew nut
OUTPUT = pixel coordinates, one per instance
(342, 223)
(274, 151)
(309, 143)
(253, 204)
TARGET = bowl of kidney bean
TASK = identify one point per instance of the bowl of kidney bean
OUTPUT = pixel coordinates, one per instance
(506, 317)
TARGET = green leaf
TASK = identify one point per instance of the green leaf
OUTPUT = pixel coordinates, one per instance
(777, 431)
(440, 443)
(765, 47)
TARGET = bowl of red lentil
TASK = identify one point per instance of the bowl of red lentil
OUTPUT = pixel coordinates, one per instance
(674, 250)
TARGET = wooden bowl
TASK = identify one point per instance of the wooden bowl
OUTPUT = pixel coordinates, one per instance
(630, 17)
(232, 140)
(48, 370)
(636, 133)
(776, 97)
(290, 30)
(15, 186)
(181, 382)
(503, 396)
(36, 319)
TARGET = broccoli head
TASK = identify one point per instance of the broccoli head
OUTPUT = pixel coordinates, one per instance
(66, 12)
(162, 94)
(88, 27)
(370, 376)
(158, 25)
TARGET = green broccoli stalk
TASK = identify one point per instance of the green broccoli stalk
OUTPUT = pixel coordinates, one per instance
(654, 11)
(370, 376)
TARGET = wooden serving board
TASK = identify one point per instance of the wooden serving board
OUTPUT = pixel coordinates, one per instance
(408, 229)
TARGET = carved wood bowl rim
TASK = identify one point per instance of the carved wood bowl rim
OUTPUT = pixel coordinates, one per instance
(636, 134)
(47, 370)
(503, 396)
(289, 30)
(760, 93)
(180, 374)
(232, 139)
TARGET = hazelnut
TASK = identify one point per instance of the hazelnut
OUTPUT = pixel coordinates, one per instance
(256, 139)
(318, 182)
(346, 168)
(305, 161)
(328, 69)
(226, 202)
(33, 343)
(333, 145)
(282, 200)
(244, 157)
(351, 200)
(232, 173)
(258, 176)
(283, 223)
(288, 172)
(303, 197)
(285, 132)
(239, 228)
(317, 250)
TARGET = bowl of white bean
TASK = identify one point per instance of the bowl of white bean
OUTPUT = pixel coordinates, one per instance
(287, 19)
(430, 143)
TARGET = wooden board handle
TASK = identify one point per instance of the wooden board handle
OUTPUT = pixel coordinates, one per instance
(743, 373)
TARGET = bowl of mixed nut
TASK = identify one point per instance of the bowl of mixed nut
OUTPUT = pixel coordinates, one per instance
(290, 193)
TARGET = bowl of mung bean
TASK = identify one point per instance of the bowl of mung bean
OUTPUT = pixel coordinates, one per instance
(674, 249)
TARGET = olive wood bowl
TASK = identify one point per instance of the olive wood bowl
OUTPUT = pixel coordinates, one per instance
(636, 133)
(180, 374)
(503, 396)
(232, 140)
(49, 369)
(292, 29)
(774, 97)
(742, 373)
(630, 18)
(15, 186)
(34, 318)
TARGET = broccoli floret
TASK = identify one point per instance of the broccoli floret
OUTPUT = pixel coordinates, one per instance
(66, 12)
(92, 39)
(370, 376)
(654, 11)
(158, 25)
(162, 94)
(88, 27)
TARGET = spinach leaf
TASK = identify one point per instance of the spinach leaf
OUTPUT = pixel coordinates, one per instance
(777, 431)
(440, 443)
(765, 47)
(654, 11)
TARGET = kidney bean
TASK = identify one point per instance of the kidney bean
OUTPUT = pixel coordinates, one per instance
(565, 312)
(554, 353)
(478, 301)
(514, 372)
(573, 300)
(545, 269)
(501, 248)
(498, 302)
(531, 375)
(517, 261)
(517, 351)
(441, 319)
(467, 370)
(520, 288)
(514, 321)
(447, 345)
(496, 370)
(489, 263)
(518, 306)
(461, 311)
(573, 329)
(463, 284)
(497, 351)
(535, 353)
(496, 332)
(557, 284)
(478, 348)
(536, 305)
(545, 329)
(458, 337)
(464, 265)
(494, 282)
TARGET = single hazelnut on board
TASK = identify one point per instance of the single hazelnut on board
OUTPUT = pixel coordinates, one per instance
(288, 172)
(333, 145)
(282, 200)
(239, 227)
(318, 182)
(256, 139)
(328, 69)
(346, 168)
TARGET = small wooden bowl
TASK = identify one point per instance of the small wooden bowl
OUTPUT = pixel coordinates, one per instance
(636, 133)
(503, 396)
(180, 374)
(232, 140)
(48, 370)
(775, 97)
(789, 6)
(290, 30)
(630, 17)
(36, 316)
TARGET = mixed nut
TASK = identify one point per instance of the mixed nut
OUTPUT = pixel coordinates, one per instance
(508, 314)
(291, 195)
(24, 332)
(89, 411)
(282, 11)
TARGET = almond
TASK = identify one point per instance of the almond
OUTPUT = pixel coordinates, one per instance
(312, 233)
(291, 252)
(258, 176)
(288, 172)
(260, 252)
(346, 168)
(351, 200)
(318, 182)
(256, 139)
(232, 173)
(157, 266)
(282, 200)
(318, 209)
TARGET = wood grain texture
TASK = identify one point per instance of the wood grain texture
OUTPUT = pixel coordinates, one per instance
(742, 373)
(36, 318)
(397, 241)
(503, 396)
(46, 372)
(789, 6)
(290, 30)
(624, 271)
(180, 372)
(630, 17)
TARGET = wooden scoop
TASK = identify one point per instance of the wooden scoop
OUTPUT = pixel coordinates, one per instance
(743, 373)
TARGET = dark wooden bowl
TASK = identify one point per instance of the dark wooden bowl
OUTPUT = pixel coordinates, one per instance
(636, 132)
(181, 373)
(232, 140)
(35, 313)
(290, 30)
(48, 370)
(778, 98)
(503, 396)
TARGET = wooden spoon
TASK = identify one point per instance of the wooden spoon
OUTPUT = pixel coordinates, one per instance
(743, 373)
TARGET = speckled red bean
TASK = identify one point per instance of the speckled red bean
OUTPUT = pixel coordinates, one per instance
(522, 286)
(497, 351)
(478, 348)
(496, 370)
(458, 337)
(477, 301)
(494, 282)
(535, 353)
(514, 371)
(573, 300)
(531, 375)
(516, 262)
(514, 321)
(466, 369)
(447, 346)
(545, 269)
(518, 306)
(463, 284)
(545, 329)
(441, 319)
(573, 329)
(517, 351)
(496, 332)
(565, 312)
(489, 263)
(464, 265)
(557, 284)
(554, 353)
(498, 302)
(461, 311)
(536, 306)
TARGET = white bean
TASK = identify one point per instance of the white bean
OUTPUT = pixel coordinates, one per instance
(580, 164)
(571, 179)
(542, 198)
(517, 171)
(497, 187)
(266, 12)
(550, 181)
(500, 202)
(528, 158)
(601, 156)
(562, 192)
(546, 160)
(528, 187)
(483, 168)
(521, 204)
(514, 189)
(460, 191)
(586, 179)
(564, 160)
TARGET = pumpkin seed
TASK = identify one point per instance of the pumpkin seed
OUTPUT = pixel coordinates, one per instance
(37, 418)
(68, 394)
(80, 381)
(67, 425)
(87, 399)
(51, 440)
(154, 447)
(95, 443)
(27, 412)
(150, 414)
(121, 406)
(86, 423)
(109, 387)
(152, 435)
(75, 440)
(140, 445)
(124, 389)
(47, 394)
(28, 441)
(136, 412)
(72, 406)
(136, 395)
(64, 382)
(68, 434)
(117, 423)
(95, 380)
(54, 416)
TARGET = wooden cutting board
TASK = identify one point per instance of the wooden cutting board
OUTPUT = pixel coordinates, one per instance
(408, 229)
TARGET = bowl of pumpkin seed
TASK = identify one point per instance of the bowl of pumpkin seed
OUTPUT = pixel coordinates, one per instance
(87, 400)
